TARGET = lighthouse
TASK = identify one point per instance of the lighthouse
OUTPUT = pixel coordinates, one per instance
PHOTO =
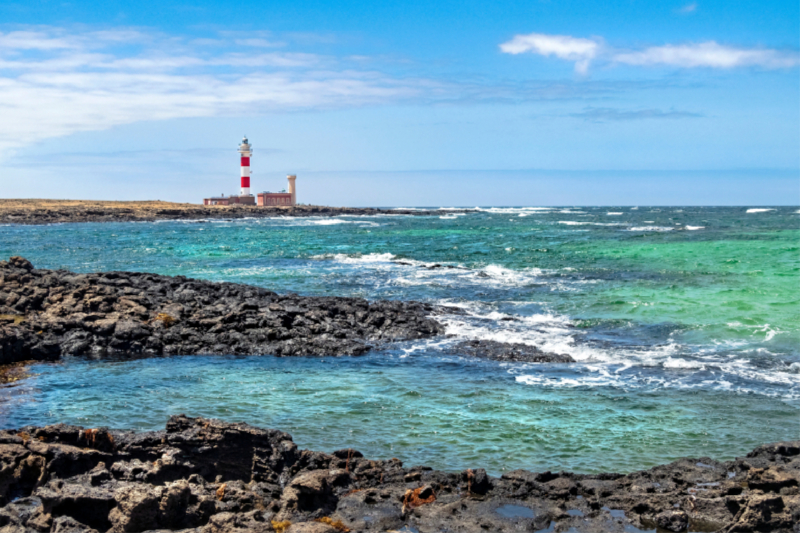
(269, 199)
(246, 150)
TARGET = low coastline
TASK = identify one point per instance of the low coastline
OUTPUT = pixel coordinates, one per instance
(40, 211)
(208, 476)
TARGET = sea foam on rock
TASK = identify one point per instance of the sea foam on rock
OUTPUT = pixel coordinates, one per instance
(207, 476)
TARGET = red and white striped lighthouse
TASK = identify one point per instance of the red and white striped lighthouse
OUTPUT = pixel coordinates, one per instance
(246, 150)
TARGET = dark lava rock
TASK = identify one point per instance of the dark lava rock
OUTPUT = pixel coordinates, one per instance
(673, 521)
(49, 313)
(208, 476)
(502, 351)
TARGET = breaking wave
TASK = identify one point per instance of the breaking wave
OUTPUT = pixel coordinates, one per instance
(651, 228)
(668, 365)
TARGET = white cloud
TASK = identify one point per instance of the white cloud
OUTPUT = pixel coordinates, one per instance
(709, 54)
(33, 40)
(581, 51)
(688, 8)
(55, 83)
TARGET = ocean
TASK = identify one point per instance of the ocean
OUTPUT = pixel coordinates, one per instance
(684, 322)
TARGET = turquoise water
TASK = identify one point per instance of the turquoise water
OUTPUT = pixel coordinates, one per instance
(685, 323)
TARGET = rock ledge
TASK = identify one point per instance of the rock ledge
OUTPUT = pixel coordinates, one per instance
(45, 314)
(207, 476)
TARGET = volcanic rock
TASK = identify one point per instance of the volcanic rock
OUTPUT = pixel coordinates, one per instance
(511, 352)
(50, 313)
(208, 476)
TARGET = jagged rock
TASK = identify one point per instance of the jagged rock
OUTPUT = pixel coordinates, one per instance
(86, 504)
(512, 352)
(311, 527)
(673, 521)
(55, 313)
(66, 524)
(208, 476)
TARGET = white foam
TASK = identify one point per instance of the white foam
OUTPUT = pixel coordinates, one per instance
(586, 223)
(616, 366)
(331, 222)
(359, 258)
(758, 210)
(613, 213)
(694, 228)
(650, 228)
(683, 363)
(515, 210)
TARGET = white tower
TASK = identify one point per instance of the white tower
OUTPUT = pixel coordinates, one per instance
(292, 190)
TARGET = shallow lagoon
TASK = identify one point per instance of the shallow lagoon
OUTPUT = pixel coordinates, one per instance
(444, 412)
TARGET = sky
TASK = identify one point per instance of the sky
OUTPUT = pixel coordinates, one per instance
(415, 103)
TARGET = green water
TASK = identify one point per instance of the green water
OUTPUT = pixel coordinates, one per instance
(685, 323)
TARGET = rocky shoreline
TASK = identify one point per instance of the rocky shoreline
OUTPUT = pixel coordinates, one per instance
(45, 314)
(61, 212)
(208, 476)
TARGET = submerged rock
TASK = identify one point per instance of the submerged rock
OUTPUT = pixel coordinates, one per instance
(207, 476)
(45, 314)
(504, 351)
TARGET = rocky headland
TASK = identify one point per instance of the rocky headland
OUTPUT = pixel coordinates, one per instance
(65, 211)
(45, 314)
(208, 476)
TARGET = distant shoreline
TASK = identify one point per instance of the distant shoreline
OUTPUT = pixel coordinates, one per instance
(40, 211)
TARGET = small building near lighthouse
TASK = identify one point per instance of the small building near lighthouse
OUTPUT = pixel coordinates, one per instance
(267, 199)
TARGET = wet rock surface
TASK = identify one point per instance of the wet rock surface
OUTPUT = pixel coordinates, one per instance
(511, 352)
(57, 212)
(45, 314)
(203, 475)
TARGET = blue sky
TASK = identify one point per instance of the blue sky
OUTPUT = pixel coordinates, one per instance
(413, 103)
